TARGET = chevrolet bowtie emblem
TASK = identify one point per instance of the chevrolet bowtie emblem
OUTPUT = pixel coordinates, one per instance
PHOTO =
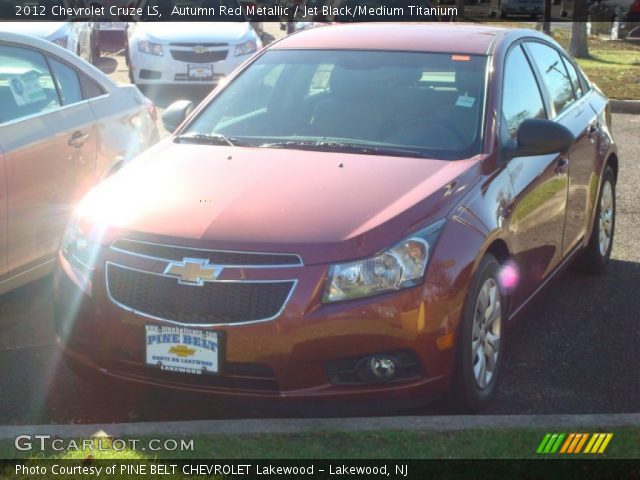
(201, 49)
(193, 271)
(182, 351)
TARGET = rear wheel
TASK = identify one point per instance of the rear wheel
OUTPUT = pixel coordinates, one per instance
(481, 339)
(596, 256)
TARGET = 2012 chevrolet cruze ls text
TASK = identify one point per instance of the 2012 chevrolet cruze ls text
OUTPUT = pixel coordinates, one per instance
(357, 214)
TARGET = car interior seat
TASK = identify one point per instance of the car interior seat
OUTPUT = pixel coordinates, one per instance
(352, 109)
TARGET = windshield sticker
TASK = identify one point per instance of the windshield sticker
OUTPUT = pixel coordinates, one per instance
(464, 101)
(26, 89)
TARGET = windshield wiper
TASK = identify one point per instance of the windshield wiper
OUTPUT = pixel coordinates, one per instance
(344, 147)
(208, 139)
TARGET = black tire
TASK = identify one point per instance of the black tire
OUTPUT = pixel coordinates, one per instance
(468, 395)
(593, 260)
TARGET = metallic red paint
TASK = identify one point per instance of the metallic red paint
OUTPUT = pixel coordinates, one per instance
(301, 202)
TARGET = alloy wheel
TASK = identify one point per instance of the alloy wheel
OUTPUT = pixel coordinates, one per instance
(485, 339)
(606, 218)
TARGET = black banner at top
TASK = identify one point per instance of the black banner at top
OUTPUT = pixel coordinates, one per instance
(306, 10)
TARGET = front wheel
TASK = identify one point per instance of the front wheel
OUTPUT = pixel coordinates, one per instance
(481, 339)
(596, 256)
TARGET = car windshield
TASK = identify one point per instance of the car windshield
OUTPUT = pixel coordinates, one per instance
(371, 102)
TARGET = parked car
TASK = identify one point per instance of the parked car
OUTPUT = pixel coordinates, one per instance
(63, 127)
(119, 27)
(505, 8)
(80, 38)
(188, 52)
(357, 214)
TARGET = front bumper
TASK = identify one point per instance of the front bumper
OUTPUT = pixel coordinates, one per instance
(288, 358)
(161, 70)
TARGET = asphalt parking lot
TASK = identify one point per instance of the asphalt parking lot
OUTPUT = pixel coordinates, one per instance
(574, 351)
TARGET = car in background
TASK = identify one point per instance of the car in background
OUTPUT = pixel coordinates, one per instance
(188, 52)
(64, 126)
(81, 38)
(119, 27)
(506, 8)
(355, 215)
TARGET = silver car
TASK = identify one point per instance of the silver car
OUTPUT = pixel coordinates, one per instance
(81, 38)
(64, 126)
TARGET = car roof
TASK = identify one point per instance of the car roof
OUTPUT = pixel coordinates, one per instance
(431, 37)
(58, 51)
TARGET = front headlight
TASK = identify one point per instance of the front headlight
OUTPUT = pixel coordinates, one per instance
(245, 48)
(79, 250)
(402, 266)
(62, 41)
(150, 48)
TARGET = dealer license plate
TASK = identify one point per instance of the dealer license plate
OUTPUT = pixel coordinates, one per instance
(199, 71)
(182, 350)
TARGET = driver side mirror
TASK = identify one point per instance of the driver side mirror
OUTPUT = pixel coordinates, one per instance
(175, 114)
(540, 137)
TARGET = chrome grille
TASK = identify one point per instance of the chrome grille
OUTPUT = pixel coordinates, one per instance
(218, 257)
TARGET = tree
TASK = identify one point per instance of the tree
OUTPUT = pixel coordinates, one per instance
(578, 45)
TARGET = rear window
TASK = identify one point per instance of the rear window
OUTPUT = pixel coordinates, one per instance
(26, 84)
(429, 104)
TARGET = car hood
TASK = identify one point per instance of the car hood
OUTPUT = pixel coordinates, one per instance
(37, 29)
(324, 206)
(194, 32)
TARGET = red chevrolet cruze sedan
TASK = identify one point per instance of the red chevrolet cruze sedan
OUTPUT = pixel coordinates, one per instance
(355, 215)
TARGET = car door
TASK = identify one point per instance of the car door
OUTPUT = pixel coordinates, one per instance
(536, 213)
(585, 121)
(571, 108)
(77, 111)
(43, 138)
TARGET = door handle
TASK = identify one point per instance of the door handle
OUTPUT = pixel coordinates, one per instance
(78, 138)
(562, 165)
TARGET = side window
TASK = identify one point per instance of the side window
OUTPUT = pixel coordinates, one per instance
(517, 105)
(573, 75)
(26, 84)
(89, 87)
(555, 76)
(67, 81)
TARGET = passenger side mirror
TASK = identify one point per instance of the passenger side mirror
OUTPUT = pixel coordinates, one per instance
(175, 114)
(541, 137)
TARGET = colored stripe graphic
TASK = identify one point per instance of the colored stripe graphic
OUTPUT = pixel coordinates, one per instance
(543, 443)
(567, 442)
(573, 443)
(598, 443)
